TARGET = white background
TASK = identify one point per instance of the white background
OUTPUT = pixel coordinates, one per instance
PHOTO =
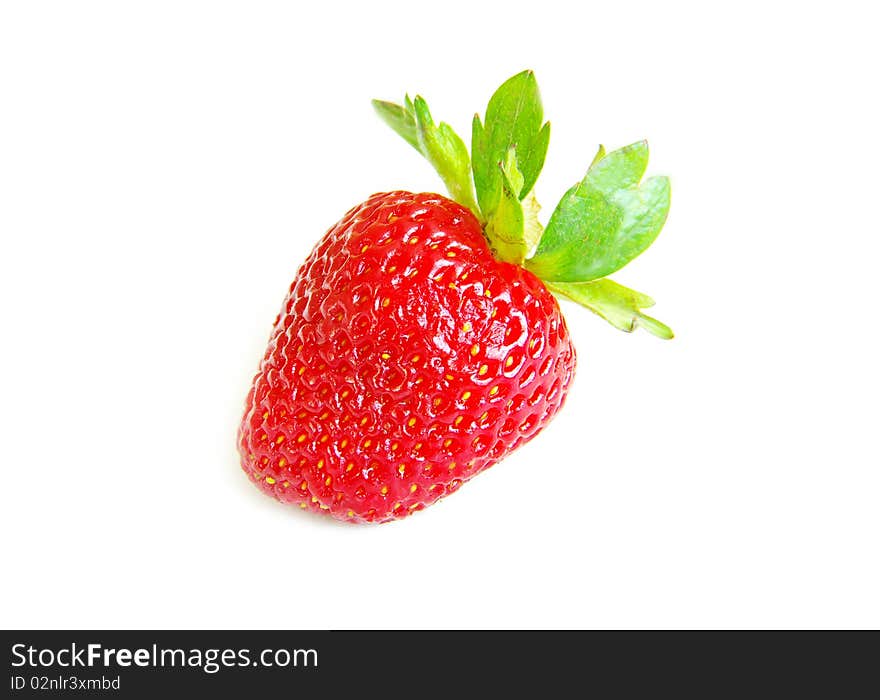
(166, 166)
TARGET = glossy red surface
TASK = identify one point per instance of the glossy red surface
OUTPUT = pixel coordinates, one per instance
(405, 361)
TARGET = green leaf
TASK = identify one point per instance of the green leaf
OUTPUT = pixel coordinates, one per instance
(621, 168)
(400, 119)
(438, 143)
(604, 221)
(513, 120)
(618, 305)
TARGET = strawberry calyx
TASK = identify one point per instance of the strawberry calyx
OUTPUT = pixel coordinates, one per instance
(601, 224)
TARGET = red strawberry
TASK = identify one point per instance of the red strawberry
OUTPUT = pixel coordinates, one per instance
(414, 348)
(405, 361)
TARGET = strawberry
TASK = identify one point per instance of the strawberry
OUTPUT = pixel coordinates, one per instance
(406, 360)
(421, 342)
